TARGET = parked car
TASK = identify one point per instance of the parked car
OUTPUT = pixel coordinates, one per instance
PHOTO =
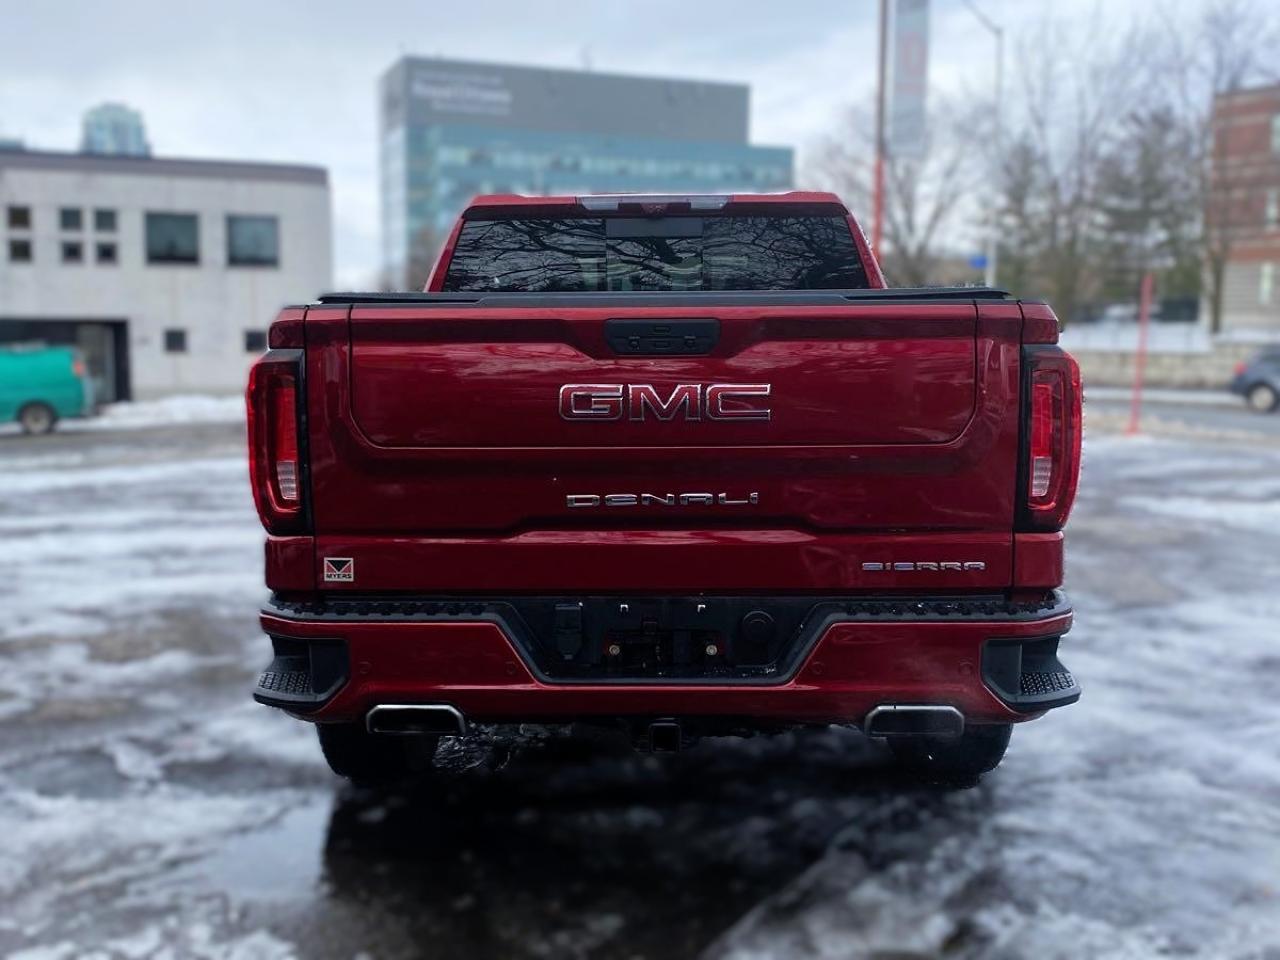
(682, 466)
(39, 385)
(1258, 381)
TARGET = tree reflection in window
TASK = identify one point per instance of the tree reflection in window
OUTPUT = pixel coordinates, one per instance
(562, 255)
(578, 255)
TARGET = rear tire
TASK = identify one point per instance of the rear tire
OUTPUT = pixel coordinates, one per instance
(1263, 398)
(374, 758)
(37, 419)
(961, 759)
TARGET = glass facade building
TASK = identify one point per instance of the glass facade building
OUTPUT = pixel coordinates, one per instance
(451, 130)
(113, 128)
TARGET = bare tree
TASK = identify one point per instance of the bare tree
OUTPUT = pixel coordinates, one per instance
(1231, 45)
(1066, 123)
(1111, 165)
(922, 197)
(1149, 207)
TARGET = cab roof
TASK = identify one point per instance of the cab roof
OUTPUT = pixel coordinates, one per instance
(507, 203)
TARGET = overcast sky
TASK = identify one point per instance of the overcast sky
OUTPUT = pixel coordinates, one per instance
(295, 81)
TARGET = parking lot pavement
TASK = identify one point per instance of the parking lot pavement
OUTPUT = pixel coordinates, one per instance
(147, 808)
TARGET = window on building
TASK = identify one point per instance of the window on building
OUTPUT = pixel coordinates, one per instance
(72, 251)
(253, 241)
(175, 340)
(1266, 284)
(70, 218)
(19, 218)
(255, 341)
(19, 251)
(1271, 211)
(1275, 133)
(173, 238)
(106, 252)
(104, 221)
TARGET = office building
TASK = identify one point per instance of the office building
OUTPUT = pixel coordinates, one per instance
(451, 130)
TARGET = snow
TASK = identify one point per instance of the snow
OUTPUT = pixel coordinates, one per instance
(1161, 337)
(145, 414)
(181, 408)
(1195, 398)
(129, 537)
(148, 808)
(1143, 821)
(174, 943)
(1243, 515)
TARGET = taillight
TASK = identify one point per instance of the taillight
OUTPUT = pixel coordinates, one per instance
(1241, 367)
(77, 367)
(1053, 437)
(274, 446)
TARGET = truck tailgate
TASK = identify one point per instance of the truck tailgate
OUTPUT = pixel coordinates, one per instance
(847, 430)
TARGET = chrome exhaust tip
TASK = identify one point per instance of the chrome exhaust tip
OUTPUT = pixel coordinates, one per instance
(914, 720)
(438, 719)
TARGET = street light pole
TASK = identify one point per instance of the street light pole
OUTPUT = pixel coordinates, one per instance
(993, 227)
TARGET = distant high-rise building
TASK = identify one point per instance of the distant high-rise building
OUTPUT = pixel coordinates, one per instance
(451, 130)
(113, 128)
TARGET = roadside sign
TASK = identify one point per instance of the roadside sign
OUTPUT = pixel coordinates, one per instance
(907, 131)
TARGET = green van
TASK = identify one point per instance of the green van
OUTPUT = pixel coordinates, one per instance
(39, 385)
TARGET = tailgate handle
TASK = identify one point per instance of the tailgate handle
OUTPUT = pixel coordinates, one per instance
(660, 338)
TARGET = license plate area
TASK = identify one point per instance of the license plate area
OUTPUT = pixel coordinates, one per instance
(661, 638)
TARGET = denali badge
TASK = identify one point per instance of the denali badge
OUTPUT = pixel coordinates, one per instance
(659, 500)
(933, 565)
(642, 401)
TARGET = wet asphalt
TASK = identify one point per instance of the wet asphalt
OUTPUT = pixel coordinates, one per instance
(149, 809)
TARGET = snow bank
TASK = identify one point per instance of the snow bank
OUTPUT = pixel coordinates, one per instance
(183, 408)
(1190, 398)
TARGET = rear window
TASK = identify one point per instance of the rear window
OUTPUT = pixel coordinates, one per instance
(593, 255)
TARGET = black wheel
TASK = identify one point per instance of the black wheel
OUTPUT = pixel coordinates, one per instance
(369, 758)
(1263, 398)
(959, 759)
(37, 419)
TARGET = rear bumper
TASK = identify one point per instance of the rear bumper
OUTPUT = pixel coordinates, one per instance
(337, 661)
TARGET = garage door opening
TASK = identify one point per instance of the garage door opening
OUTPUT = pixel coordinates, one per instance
(104, 344)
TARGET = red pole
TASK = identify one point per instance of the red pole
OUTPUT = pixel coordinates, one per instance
(877, 220)
(1140, 357)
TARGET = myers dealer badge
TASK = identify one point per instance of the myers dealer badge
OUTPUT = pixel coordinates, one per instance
(339, 570)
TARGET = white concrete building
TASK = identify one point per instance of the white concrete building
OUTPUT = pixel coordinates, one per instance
(165, 272)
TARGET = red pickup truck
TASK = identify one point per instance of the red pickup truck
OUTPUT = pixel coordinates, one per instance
(681, 465)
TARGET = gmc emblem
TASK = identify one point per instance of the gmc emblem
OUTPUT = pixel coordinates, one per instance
(642, 401)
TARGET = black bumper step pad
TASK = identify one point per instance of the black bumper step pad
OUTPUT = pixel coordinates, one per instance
(293, 682)
(1027, 674)
(1039, 684)
(304, 674)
